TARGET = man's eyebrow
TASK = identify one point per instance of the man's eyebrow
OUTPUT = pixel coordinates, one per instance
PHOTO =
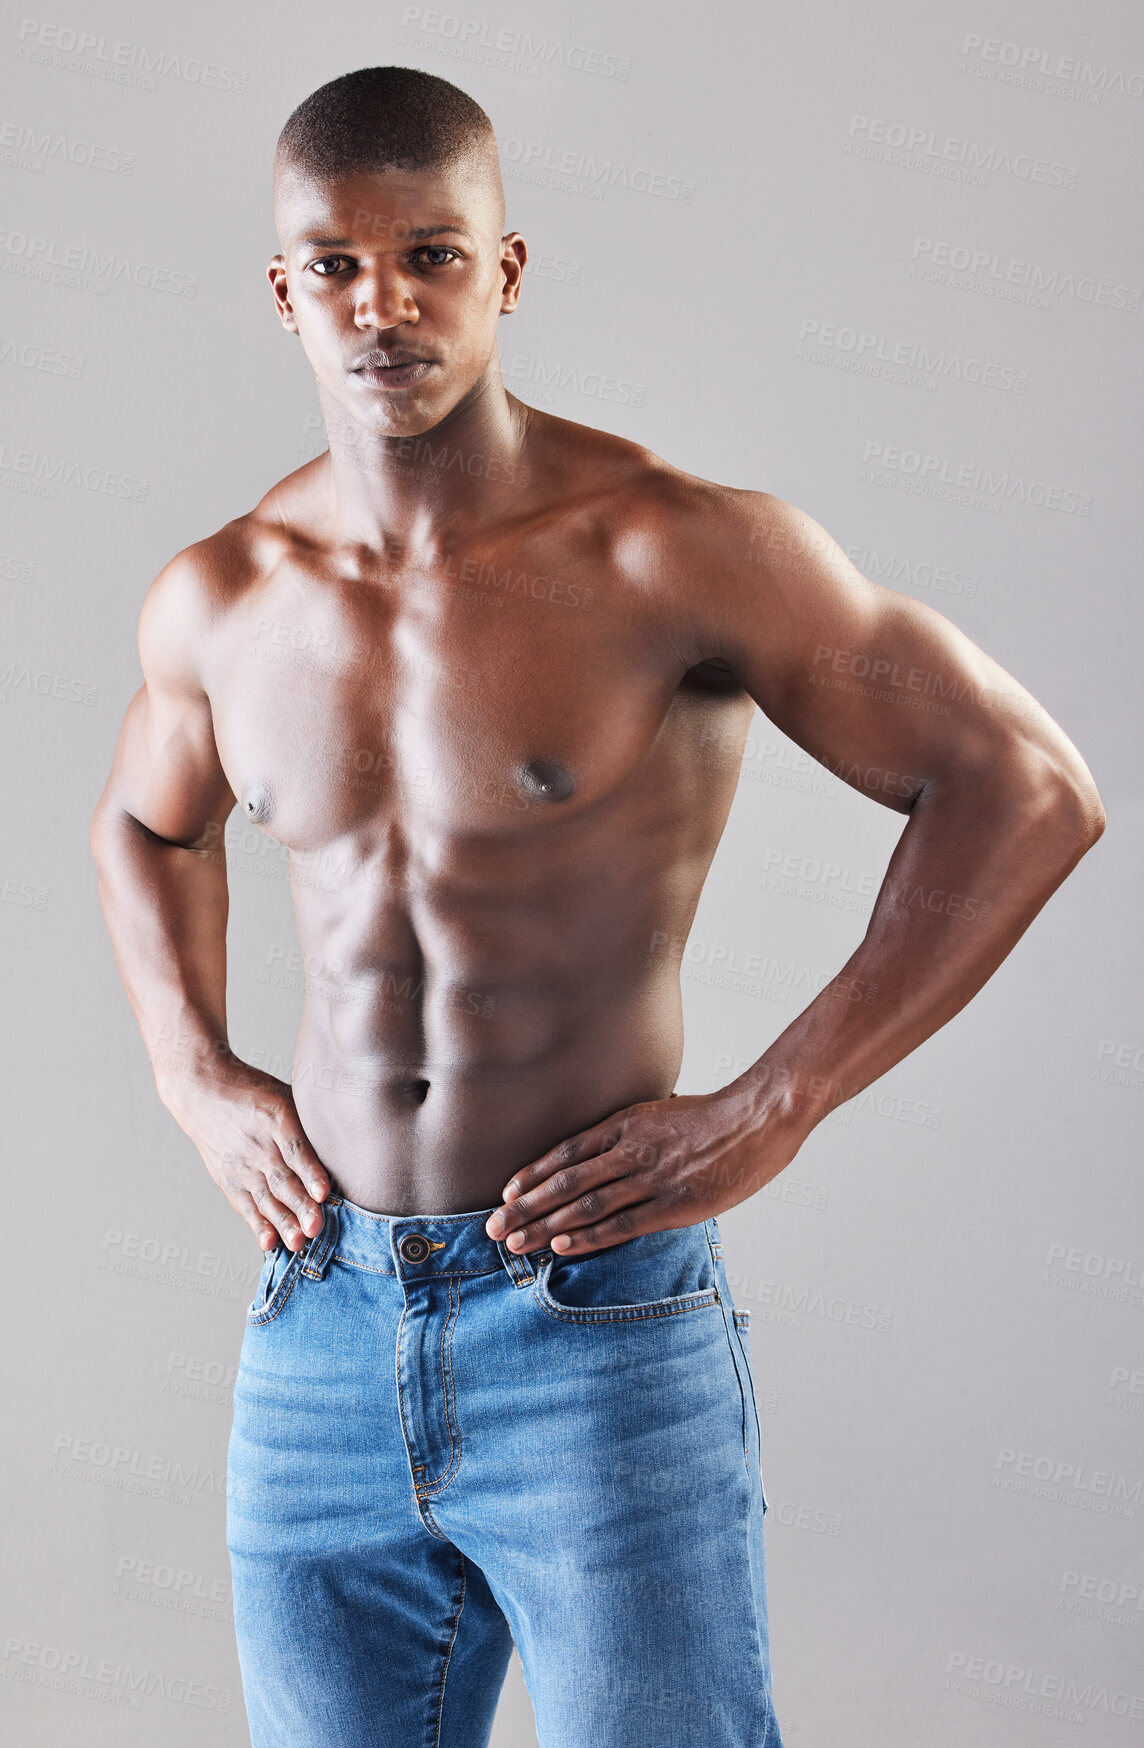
(414, 233)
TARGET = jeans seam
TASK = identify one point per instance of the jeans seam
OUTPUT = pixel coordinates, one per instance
(448, 1654)
(731, 1332)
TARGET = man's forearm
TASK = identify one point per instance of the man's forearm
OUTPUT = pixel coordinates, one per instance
(166, 912)
(976, 862)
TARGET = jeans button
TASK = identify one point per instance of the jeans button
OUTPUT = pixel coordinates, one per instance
(413, 1247)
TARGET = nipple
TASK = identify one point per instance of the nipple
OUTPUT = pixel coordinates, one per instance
(546, 779)
(257, 802)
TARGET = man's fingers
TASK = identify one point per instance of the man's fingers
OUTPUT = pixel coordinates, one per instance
(289, 1188)
(243, 1203)
(579, 1161)
(605, 1233)
(571, 1152)
(568, 1184)
(296, 1150)
(608, 1208)
(278, 1214)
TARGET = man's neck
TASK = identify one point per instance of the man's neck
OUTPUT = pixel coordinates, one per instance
(416, 495)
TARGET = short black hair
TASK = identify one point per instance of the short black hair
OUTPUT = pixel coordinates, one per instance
(383, 118)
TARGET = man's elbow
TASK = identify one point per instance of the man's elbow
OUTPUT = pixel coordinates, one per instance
(98, 828)
(1073, 808)
(107, 827)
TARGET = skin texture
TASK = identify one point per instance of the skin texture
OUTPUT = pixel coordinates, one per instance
(487, 675)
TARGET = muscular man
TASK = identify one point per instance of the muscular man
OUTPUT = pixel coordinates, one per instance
(487, 675)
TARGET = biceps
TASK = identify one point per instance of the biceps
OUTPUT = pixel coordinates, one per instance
(167, 773)
(886, 692)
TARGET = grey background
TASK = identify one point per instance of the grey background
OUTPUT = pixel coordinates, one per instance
(925, 1583)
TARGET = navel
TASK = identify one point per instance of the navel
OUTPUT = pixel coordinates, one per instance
(257, 802)
(546, 780)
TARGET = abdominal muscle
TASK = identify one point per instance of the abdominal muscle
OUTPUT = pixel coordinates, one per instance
(473, 1000)
(444, 1133)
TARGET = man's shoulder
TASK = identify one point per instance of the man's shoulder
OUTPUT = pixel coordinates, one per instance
(661, 518)
(212, 574)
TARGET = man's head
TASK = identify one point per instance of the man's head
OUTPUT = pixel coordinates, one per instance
(389, 208)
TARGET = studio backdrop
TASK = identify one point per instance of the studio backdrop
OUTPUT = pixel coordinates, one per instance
(882, 262)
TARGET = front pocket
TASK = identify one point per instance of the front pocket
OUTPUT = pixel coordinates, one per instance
(279, 1272)
(657, 1274)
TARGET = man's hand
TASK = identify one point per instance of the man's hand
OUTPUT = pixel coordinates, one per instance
(648, 1168)
(245, 1125)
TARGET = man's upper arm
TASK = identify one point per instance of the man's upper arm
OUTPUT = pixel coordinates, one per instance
(882, 690)
(167, 773)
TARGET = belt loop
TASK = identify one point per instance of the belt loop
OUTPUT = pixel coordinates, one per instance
(519, 1271)
(320, 1249)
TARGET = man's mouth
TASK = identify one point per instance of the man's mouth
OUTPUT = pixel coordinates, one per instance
(396, 369)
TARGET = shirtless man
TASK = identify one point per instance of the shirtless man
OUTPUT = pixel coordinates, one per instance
(487, 675)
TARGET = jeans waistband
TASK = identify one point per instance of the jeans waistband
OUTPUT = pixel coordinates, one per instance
(412, 1246)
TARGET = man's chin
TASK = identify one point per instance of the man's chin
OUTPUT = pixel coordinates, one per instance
(378, 416)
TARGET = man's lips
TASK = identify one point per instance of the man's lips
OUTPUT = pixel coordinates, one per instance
(391, 369)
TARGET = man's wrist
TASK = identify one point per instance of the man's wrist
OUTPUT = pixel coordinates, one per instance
(186, 1057)
(776, 1098)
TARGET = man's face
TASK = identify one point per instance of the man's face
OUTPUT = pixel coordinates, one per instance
(394, 283)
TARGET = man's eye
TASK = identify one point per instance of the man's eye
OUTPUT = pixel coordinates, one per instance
(438, 249)
(324, 266)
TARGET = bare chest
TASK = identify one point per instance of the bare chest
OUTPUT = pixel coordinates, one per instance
(485, 698)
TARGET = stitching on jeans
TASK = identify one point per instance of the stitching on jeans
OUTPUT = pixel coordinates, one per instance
(440, 1482)
(565, 1314)
(318, 1257)
(449, 1653)
(268, 1316)
(430, 1521)
(437, 1275)
(519, 1272)
(592, 1314)
(350, 1263)
(422, 1507)
(441, 1274)
(745, 1344)
(420, 1490)
(729, 1325)
(446, 1475)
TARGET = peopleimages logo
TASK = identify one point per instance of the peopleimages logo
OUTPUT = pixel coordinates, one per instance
(912, 360)
(1000, 276)
(470, 34)
(1024, 1689)
(27, 148)
(601, 173)
(990, 57)
(965, 481)
(73, 1668)
(123, 63)
(88, 269)
(921, 148)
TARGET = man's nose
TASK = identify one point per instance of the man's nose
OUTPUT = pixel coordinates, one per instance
(384, 300)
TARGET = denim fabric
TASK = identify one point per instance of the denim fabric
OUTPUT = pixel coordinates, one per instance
(440, 1447)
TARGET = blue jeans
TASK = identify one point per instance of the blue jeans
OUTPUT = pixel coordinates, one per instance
(440, 1447)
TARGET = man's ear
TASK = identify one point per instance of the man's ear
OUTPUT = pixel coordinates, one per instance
(514, 254)
(276, 273)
